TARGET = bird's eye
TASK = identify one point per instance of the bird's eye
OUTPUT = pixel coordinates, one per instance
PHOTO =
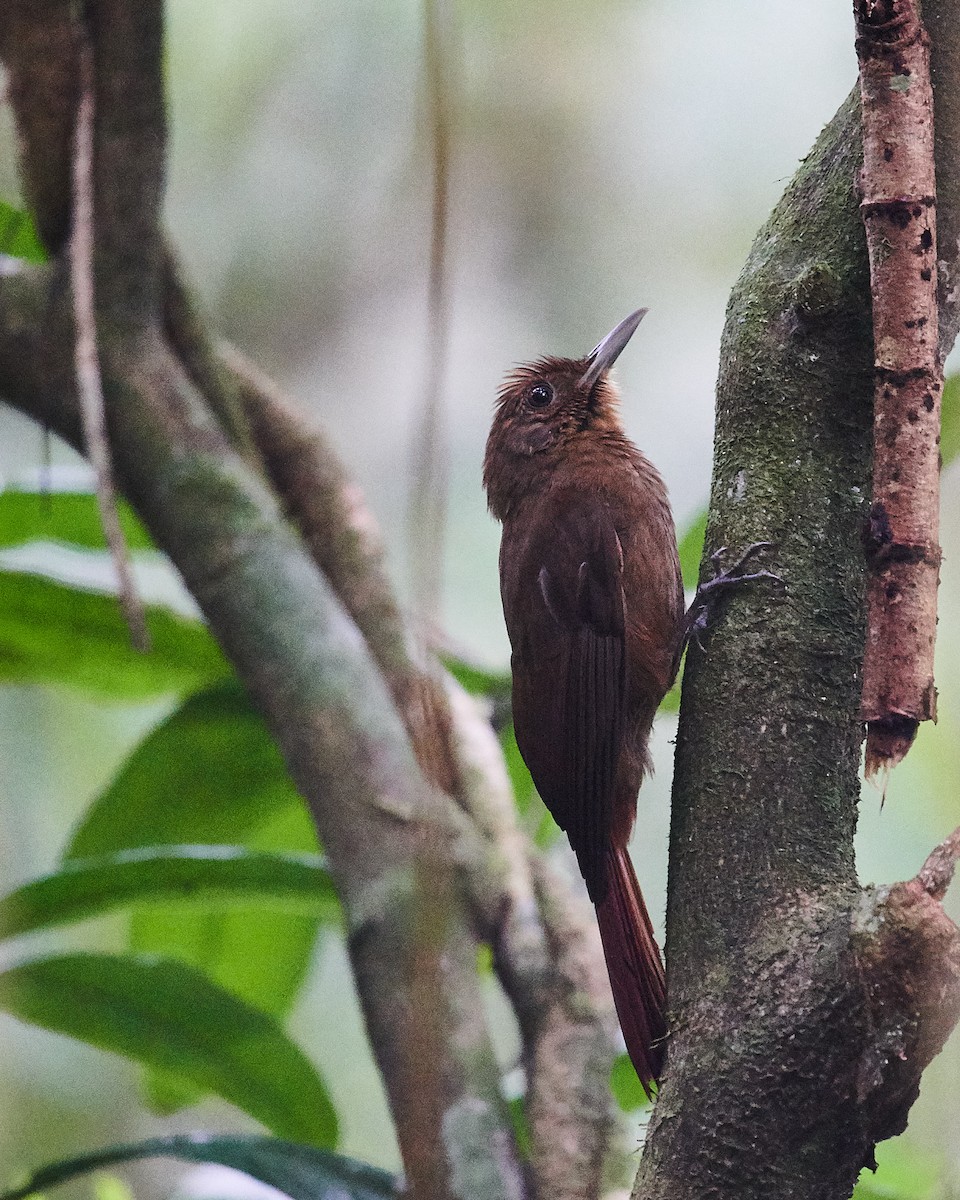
(540, 395)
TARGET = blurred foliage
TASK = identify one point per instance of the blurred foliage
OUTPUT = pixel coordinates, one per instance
(950, 420)
(70, 518)
(203, 876)
(183, 833)
(902, 1174)
(51, 633)
(626, 1086)
(478, 680)
(18, 236)
(303, 1172)
(170, 1016)
(521, 1126)
(690, 548)
(210, 774)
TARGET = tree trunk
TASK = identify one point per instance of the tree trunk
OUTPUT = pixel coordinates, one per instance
(803, 1007)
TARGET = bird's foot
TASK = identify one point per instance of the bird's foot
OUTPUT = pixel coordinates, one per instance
(697, 619)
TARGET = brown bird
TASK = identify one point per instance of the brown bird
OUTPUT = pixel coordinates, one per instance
(593, 602)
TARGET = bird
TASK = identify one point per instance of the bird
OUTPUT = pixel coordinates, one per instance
(594, 609)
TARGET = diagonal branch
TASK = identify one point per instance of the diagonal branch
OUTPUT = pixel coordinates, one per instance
(344, 543)
(555, 980)
(325, 702)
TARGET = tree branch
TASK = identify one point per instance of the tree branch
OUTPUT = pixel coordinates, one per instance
(900, 216)
(556, 984)
(38, 44)
(548, 956)
(343, 541)
(387, 834)
(776, 1069)
(130, 145)
(310, 674)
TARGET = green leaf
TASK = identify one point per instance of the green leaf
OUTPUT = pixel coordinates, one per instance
(207, 875)
(950, 420)
(521, 1126)
(520, 780)
(301, 1171)
(691, 550)
(53, 634)
(211, 774)
(904, 1172)
(671, 701)
(110, 1187)
(477, 680)
(626, 1086)
(208, 774)
(68, 517)
(533, 813)
(18, 236)
(167, 1015)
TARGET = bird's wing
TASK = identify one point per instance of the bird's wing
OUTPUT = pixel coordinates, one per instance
(570, 674)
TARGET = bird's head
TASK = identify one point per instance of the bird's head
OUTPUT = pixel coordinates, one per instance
(544, 406)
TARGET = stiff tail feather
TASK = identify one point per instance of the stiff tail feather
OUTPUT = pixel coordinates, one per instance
(634, 966)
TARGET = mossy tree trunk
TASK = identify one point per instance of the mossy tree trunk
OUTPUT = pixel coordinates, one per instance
(803, 1007)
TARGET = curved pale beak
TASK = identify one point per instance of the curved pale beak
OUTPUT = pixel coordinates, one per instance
(606, 354)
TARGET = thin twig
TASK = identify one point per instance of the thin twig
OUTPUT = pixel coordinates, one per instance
(936, 874)
(89, 383)
(899, 212)
(428, 496)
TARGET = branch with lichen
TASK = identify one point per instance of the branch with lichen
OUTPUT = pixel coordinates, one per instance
(899, 210)
(269, 536)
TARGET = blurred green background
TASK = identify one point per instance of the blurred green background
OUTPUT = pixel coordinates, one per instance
(604, 156)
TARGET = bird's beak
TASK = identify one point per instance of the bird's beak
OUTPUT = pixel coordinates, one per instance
(607, 353)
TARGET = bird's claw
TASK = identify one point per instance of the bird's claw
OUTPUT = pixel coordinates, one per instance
(730, 576)
(698, 615)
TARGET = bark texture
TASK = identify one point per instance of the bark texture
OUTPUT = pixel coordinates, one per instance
(899, 211)
(803, 1008)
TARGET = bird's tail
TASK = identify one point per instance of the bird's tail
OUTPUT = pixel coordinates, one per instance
(634, 966)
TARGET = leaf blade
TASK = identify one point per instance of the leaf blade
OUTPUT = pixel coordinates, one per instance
(68, 517)
(84, 888)
(210, 774)
(167, 1015)
(950, 420)
(303, 1172)
(54, 634)
(690, 549)
(18, 235)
